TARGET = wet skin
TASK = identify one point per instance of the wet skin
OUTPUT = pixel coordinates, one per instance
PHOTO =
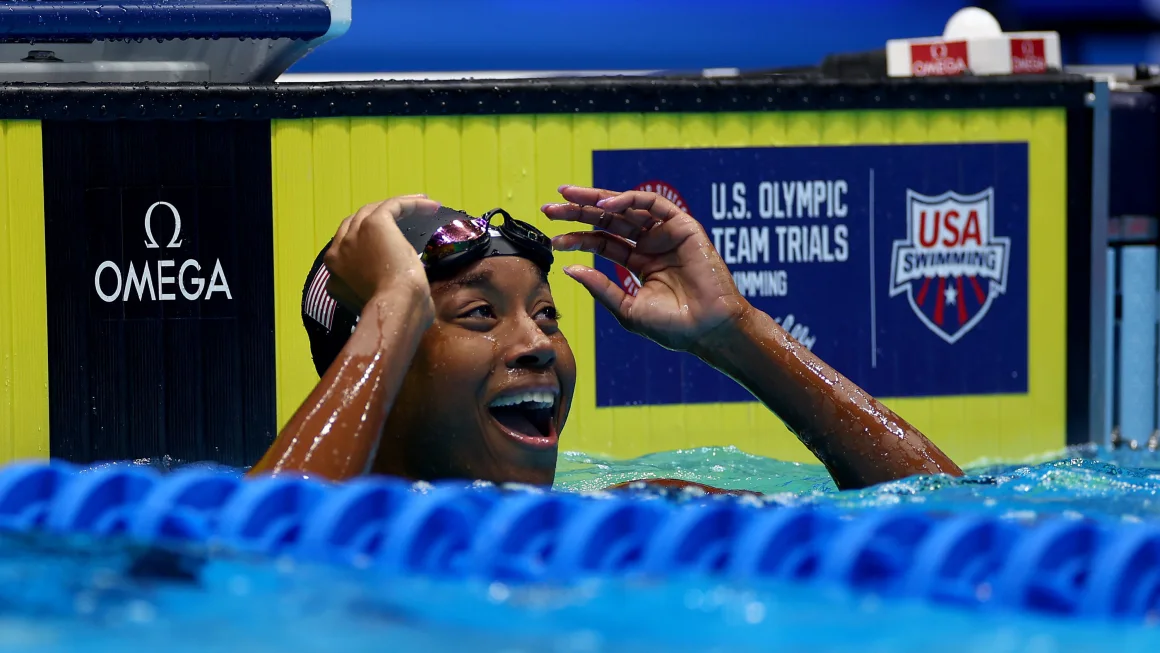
(337, 430)
(412, 392)
(428, 360)
(688, 302)
(496, 333)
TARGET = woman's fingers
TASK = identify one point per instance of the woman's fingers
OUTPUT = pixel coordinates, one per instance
(584, 194)
(348, 234)
(343, 228)
(601, 243)
(398, 207)
(602, 290)
(359, 216)
(629, 214)
(658, 207)
(629, 225)
(407, 205)
(621, 202)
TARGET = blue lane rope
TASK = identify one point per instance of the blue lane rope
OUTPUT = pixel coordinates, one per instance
(460, 530)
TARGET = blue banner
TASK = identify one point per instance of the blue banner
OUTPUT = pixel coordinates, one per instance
(903, 266)
(526, 35)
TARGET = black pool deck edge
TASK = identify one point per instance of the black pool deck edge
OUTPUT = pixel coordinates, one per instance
(192, 101)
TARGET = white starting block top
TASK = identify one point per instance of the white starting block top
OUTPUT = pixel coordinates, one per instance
(163, 41)
(974, 44)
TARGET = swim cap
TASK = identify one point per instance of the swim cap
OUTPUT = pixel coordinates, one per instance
(329, 324)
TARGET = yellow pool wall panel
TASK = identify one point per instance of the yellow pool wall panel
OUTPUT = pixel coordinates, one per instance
(23, 300)
(324, 169)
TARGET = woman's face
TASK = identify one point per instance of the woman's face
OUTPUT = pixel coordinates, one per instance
(489, 389)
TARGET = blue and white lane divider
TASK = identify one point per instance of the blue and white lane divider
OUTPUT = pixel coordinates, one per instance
(464, 531)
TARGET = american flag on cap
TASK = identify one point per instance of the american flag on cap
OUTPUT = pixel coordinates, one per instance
(328, 323)
(318, 304)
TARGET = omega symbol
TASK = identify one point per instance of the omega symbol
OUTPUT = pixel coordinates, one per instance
(150, 242)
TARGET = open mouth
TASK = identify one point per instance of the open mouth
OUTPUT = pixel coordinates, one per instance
(527, 417)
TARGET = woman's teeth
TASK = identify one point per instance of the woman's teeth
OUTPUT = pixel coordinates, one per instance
(527, 415)
(534, 399)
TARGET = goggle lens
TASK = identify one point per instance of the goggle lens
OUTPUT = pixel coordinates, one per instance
(463, 237)
(455, 237)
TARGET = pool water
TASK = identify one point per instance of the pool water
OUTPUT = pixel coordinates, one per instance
(80, 594)
(1085, 482)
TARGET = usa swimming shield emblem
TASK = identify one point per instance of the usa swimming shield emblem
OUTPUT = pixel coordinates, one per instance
(951, 266)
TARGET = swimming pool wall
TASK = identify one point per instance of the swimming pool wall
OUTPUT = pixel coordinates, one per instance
(182, 363)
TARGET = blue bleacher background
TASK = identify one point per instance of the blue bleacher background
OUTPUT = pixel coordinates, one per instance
(453, 35)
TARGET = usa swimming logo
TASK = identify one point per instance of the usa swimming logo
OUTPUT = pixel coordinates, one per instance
(951, 266)
(627, 280)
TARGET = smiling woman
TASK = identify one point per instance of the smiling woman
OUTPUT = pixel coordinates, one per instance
(452, 364)
(490, 385)
(486, 392)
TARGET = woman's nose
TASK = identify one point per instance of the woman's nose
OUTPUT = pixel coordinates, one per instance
(538, 358)
(533, 348)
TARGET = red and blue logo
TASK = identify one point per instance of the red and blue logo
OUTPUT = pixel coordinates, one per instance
(627, 280)
(951, 266)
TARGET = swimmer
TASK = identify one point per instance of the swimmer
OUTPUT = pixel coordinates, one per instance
(441, 355)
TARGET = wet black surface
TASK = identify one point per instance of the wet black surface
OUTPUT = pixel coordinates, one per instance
(560, 95)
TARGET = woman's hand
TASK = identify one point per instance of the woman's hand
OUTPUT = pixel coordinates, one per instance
(686, 290)
(370, 257)
(335, 432)
(688, 302)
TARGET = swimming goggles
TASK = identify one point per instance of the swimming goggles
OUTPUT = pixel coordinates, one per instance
(465, 239)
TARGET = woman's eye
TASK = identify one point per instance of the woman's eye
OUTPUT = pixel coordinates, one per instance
(484, 312)
(549, 313)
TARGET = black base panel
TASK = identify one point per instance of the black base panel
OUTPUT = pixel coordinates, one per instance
(166, 365)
